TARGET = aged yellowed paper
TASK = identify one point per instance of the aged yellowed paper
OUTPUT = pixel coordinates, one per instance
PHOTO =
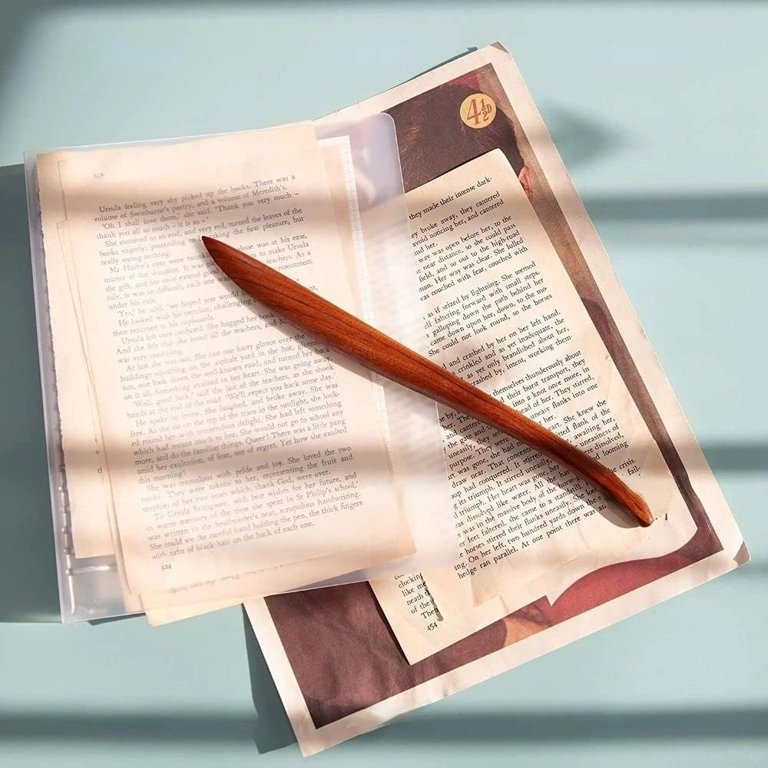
(502, 313)
(188, 602)
(89, 228)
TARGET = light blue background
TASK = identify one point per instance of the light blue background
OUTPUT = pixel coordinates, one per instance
(659, 110)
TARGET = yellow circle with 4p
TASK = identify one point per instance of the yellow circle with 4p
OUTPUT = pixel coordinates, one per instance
(477, 110)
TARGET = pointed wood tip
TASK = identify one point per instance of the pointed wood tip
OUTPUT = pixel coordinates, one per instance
(642, 511)
(210, 243)
(222, 253)
(235, 264)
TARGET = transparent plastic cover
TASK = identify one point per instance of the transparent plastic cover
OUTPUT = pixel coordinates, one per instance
(93, 539)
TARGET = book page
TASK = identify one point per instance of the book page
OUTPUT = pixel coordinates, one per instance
(188, 601)
(161, 607)
(149, 323)
(87, 477)
(503, 314)
(90, 520)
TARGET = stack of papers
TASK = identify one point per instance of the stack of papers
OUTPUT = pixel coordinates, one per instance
(219, 456)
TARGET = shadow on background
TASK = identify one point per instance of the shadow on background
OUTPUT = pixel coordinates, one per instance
(28, 588)
(540, 727)
(579, 138)
(547, 727)
(273, 729)
(737, 457)
(733, 206)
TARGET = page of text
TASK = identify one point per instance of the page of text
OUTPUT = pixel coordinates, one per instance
(502, 313)
(225, 431)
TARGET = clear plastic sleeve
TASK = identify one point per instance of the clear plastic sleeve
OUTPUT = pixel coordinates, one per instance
(90, 587)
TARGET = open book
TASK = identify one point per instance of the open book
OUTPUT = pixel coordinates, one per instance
(516, 295)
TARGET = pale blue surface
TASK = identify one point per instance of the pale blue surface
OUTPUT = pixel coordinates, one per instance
(659, 111)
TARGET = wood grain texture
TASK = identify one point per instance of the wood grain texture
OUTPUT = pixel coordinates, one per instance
(378, 352)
